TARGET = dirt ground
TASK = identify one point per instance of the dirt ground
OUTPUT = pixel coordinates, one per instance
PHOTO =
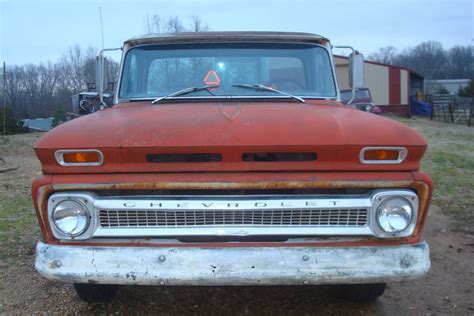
(447, 289)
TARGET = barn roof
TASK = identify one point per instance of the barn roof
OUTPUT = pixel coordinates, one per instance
(39, 124)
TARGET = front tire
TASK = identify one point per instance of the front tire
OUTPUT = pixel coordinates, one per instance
(363, 292)
(93, 293)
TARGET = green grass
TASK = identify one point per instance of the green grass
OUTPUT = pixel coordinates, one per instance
(18, 226)
(453, 176)
(450, 162)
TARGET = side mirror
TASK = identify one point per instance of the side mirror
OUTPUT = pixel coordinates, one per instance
(101, 79)
(100, 75)
(356, 70)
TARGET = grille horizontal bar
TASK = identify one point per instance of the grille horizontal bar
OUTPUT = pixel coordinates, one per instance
(272, 218)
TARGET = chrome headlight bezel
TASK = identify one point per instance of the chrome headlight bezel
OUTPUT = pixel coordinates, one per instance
(82, 216)
(85, 202)
(380, 198)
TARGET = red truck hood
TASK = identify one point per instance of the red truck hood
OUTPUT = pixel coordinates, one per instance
(128, 132)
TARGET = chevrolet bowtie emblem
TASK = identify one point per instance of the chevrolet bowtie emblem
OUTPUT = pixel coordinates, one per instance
(230, 110)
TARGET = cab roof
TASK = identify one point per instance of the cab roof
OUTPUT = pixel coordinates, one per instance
(226, 37)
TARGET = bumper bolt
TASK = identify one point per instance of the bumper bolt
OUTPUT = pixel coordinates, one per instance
(405, 262)
(162, 258)
(305, 258)
(56, 264)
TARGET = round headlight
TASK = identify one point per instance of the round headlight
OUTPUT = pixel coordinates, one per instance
(71, 218)
(394, 214)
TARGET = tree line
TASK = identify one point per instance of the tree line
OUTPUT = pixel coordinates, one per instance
(431, 60)
(38, 90)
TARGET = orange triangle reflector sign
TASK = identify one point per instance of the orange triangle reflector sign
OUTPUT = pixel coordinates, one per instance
(212, 78)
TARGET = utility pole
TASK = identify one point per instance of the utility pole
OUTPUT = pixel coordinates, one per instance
(4, 96)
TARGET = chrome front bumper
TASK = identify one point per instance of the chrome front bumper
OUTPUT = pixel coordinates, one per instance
(231, 266)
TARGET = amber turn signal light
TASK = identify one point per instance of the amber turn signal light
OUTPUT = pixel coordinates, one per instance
(89, 157)
(81, 157)
(383, 155)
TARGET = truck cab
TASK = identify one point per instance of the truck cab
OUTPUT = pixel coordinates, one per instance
(228, 159)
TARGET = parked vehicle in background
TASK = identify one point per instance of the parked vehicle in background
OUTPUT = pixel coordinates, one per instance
(88, 102)
(362, 100)
(227, 159)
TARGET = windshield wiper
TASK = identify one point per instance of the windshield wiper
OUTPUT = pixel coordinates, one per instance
(185, 91)
(261, 87)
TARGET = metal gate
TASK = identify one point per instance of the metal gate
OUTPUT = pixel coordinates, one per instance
(452, 109)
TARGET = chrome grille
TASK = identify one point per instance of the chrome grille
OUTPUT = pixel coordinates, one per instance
(243, 215)
(193, 218)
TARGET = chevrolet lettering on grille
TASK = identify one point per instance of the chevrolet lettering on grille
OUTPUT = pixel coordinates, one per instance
(229, 205)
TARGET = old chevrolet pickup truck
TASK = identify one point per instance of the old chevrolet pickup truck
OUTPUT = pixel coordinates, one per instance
(228, 159)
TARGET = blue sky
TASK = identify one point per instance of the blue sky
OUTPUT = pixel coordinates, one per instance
(38, 31)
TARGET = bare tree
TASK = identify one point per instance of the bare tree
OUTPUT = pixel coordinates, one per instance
(48, 78)
(157, 24)
(386, 55)
(76, 68)
(197, 25)
(113, 69)
(460, 62)
(173, 24)
(39, 90)
(430, 59)
(153, 24)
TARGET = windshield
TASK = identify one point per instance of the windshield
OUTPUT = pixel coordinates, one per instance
(158, 70)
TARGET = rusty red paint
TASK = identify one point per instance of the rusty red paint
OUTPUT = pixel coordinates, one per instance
(424, 186)
(128, 132)
(232, 180)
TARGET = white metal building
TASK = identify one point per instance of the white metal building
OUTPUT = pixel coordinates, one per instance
(452, 85)
(390, 86)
